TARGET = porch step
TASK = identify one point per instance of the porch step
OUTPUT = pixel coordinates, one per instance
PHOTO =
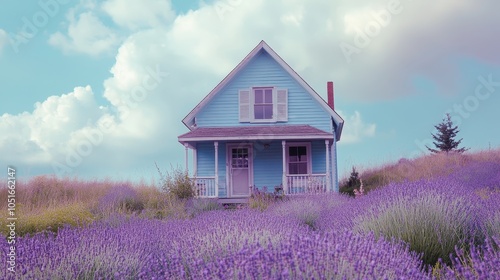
(239, 200)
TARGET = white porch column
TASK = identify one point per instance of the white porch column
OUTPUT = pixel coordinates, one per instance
(187, 161)
(328, 182)
(335, 177)
(216, 145)
(285, 185)
(195, 163)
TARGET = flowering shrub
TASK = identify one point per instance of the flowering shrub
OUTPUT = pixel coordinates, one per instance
(160, 205)
(120, 199)
(326, 256)
(260, 200)
(177, 183)
(220, 244)
(196, 206)
(304, 209)
(482, 262)
(431, 222)
(52, 219)
(436, 228)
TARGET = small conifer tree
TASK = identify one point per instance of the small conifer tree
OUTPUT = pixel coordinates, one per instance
(352, 183)
(445, 137)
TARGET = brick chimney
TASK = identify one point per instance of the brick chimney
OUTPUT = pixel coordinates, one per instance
(329, 87)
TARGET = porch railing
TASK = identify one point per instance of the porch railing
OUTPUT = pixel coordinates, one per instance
(204, 186)
(301, 184)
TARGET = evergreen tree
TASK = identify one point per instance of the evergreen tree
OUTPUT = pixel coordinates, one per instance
(445, 137)
(352, 183)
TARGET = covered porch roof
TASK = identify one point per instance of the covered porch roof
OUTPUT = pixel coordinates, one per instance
(258, 132)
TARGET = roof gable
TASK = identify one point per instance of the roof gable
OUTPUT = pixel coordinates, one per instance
(263, 46)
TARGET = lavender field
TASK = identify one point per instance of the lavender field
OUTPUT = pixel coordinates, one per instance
(437, 218)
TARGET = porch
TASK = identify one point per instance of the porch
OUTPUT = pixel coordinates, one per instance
(205, 187)
(291, 159)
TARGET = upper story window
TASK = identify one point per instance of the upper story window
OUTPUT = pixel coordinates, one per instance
(263, 104)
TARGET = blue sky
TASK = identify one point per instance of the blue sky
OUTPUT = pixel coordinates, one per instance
(68, 68)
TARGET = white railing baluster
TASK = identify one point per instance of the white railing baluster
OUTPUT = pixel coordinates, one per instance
(300, 184)
(204, 186)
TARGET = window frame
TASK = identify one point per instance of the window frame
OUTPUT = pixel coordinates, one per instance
(308, 156)
(273, 104)
(254, 103)
(246, 104)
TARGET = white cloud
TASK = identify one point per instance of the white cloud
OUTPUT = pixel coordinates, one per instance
(164, 68)
(134, 14)
(3, 39)
(404, 45)
(45, 132)
(355, 129)
(86, 34)
(310, 36)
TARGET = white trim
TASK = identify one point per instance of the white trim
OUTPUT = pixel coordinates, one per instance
(335, 178)
(195, 162)
(309, 156)
(273, 119)
(327, 169)
(284, 179)
(273, 103)
(263, 45)
(229, 185)
(257, 137)
(187, 157)
(216, 148)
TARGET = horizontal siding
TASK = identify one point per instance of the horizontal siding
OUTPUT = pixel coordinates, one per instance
(205, 163)
(318, 154)
(222, 110)
(267, 165)
(222, 169)
(319, 160)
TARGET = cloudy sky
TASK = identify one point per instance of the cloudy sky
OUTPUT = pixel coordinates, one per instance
(97, 89)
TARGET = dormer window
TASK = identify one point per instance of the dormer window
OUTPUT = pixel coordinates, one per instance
(263, 104)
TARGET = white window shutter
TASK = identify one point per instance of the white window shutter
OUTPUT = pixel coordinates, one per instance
(245, 105)
(282, 105)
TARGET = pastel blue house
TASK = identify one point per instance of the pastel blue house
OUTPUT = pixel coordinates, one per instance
(262, 127)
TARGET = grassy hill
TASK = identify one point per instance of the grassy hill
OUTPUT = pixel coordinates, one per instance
(427, 167)
(435, 217)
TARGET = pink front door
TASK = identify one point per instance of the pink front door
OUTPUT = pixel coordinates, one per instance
(240, 166)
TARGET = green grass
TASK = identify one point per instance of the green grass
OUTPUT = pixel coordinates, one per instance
(47, 203)
(429, 223)
(50, 219)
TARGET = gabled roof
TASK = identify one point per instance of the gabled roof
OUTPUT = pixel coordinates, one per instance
(338, 121)
(258, 132)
